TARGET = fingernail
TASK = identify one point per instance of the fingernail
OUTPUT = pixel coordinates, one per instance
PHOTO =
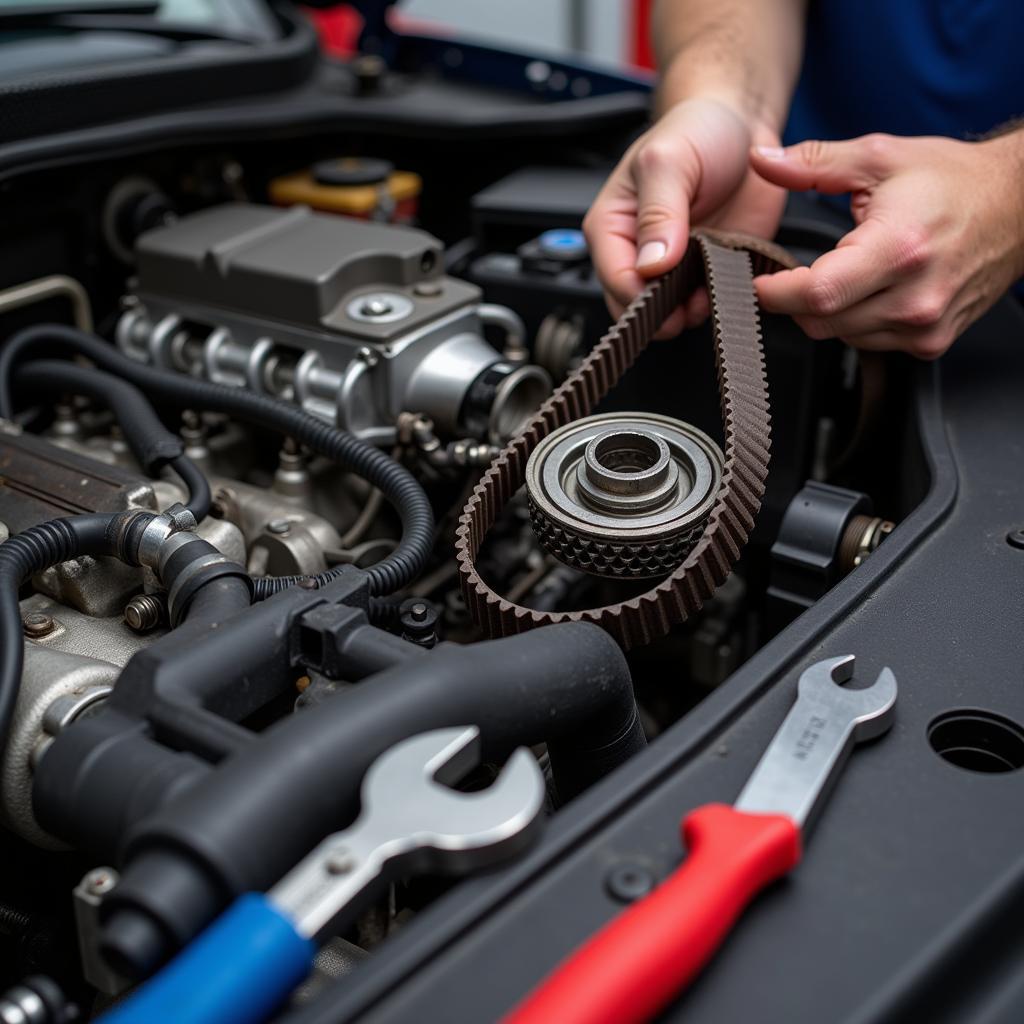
(771, 152)
(651, 252)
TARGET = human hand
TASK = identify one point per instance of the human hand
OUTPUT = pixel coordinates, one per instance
(939, 237)
(690, 167)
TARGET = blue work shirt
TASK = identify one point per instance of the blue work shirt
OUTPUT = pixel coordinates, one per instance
(909, 67)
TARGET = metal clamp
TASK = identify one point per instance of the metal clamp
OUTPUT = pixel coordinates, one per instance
(176, 519)
(64, 710)
(188, 574)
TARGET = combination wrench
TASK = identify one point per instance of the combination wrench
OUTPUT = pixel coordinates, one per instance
(636, 964)
(245, 964)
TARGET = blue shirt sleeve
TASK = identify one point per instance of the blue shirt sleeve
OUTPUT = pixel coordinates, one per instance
(909, 67)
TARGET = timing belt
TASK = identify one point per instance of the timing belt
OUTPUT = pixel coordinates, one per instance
(727, 263)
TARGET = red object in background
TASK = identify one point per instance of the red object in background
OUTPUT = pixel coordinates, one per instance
(338, 28)
(642, 53)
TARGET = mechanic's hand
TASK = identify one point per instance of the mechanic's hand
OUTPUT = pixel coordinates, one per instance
(691, 167)
(939, 237)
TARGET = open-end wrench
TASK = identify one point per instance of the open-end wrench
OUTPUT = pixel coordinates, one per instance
(241, 968)
(637, 963)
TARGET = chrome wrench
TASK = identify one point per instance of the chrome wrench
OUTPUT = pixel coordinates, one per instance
(242, 967)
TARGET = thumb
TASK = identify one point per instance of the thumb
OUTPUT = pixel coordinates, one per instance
(662, 217)
(829, 167)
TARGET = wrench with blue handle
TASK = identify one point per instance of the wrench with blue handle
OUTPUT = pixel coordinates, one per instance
(251, 958)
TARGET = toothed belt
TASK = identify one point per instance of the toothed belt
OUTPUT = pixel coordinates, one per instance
(727, 263)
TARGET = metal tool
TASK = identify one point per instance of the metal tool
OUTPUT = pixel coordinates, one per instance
(413, 821)
(631, 968)
(245, 964)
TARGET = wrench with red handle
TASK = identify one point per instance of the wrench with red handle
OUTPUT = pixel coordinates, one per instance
(643, 958)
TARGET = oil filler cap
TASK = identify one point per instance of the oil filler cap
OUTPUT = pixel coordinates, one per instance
(350, 170)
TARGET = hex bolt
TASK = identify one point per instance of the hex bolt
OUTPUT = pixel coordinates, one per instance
(427, 289)
(279, 527)
(143, 613)
(630, 881)
(38, 624)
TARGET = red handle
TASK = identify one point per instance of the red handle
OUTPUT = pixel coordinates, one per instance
(640, 960)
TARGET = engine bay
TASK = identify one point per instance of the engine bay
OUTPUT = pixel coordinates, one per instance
(268, 382)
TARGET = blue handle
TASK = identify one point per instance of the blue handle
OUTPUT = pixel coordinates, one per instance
(238, 971)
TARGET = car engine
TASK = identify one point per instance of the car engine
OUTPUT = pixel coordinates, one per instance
(317, 436)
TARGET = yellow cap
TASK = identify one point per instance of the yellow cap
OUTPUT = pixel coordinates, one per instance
(354, 200)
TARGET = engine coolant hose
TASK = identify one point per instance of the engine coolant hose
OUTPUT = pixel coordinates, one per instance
(29, 552)
(150, 441)
(214, 594)
(254, 816)
(396, 483)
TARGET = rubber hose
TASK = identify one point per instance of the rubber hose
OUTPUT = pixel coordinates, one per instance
(218, 600)
(200, 497)
(29, 552)
(257, 814)
(150, 441)
(398, 485)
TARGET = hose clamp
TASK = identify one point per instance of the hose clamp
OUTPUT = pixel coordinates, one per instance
(64, 710)
(177, 519)
(195, 574)
(181, 582)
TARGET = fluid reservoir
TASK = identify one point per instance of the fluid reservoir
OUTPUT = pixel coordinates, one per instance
(354, 186)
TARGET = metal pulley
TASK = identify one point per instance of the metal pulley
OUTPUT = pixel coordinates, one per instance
(624, 495)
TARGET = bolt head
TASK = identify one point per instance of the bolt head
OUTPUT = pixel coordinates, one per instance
(376, 307)
(279, 527)
(143, 612)
(37, 624)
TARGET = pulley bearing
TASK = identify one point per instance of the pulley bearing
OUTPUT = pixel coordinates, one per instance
(625, 495)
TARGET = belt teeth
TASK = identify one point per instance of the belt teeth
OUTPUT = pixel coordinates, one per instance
(695, 562)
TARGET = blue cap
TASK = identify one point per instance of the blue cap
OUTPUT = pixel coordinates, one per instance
(563, 244)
